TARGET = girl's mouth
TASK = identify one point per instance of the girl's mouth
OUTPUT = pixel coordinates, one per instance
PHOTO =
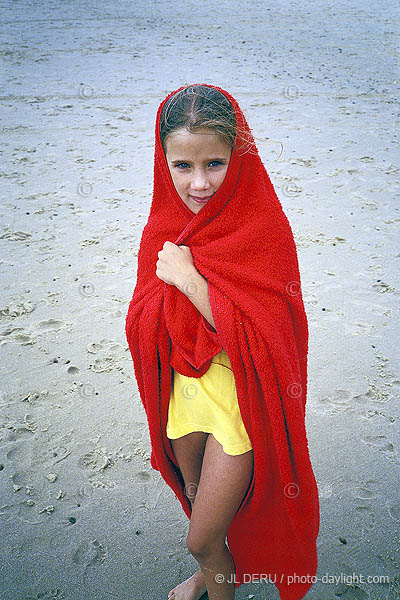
(201, 200)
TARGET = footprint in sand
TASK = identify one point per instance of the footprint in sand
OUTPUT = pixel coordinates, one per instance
(383, 287)
(108, 354)
(34, 497)
(34, 482)
(34, 466)
(46, 450)
(380, 443)
(15, 236)
(26, 511)
(17, 307)
(150, 488)
(364, 519)
(304, 162)
(20, 428)
(143, 476)
(365, 404)
(19, 452)
(35, 398)
(90, 554)
(339, 401)
(96, 459)
(365, 491)
(17, 334)
(51, 325)
(103, 365)
(310, 298)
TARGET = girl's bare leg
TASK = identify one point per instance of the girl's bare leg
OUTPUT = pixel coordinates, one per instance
(221, 481)
(224, 481)
(189, 450)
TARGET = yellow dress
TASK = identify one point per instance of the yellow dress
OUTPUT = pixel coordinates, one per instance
(208, 403)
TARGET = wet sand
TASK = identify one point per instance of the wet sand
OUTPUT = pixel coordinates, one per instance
(82, 513)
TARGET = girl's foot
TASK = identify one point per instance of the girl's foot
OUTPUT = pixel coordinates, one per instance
(190, 589)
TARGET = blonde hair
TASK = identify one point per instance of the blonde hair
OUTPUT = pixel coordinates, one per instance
(199, 106)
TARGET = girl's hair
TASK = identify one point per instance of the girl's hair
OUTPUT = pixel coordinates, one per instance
(198, 106)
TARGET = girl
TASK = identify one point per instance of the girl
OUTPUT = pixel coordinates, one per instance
(219, 340)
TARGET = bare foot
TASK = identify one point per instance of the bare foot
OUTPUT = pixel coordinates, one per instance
(190, 589)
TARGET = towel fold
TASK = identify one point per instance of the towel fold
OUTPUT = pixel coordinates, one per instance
(242, 243)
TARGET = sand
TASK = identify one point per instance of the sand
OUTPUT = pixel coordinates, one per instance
(82, 513)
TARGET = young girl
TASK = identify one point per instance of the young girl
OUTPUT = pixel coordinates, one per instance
(219, 340)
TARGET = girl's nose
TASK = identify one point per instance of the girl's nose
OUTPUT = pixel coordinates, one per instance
(200, 180)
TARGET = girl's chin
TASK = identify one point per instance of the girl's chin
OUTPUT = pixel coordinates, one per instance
(195, 208)
(193, 205)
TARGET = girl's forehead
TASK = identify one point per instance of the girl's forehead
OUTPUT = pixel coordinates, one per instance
(201, 139)
(187, 134)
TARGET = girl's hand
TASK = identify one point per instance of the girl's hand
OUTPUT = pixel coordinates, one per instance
(175, 265)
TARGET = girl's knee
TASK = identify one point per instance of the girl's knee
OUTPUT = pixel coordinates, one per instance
(202, 548)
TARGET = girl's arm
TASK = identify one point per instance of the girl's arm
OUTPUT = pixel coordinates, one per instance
(195, 287)
(175, 267)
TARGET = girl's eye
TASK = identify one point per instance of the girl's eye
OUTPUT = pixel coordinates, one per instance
(212, 163)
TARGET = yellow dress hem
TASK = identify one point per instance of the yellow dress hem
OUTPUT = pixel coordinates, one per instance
(189, 428)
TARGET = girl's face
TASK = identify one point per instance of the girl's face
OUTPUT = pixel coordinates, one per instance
(198, 163)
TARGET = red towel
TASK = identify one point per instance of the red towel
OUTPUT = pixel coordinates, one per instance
(242, 243)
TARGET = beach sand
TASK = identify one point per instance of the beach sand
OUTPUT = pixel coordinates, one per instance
(82, 513)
